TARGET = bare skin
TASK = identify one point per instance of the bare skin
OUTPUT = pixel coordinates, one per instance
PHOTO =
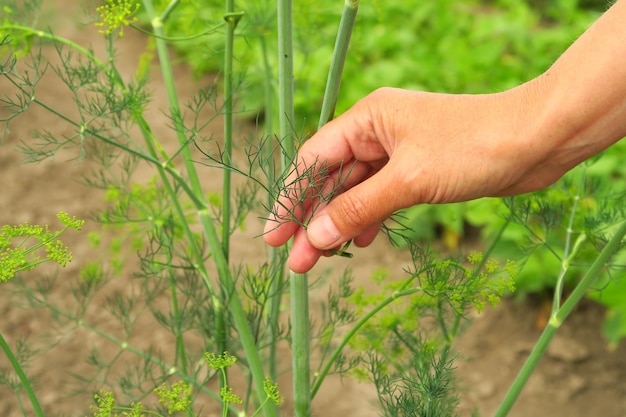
(408, 147)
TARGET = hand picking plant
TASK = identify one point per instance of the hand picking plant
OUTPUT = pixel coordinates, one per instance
(226, 335)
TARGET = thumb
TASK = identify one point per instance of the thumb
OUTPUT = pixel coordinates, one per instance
(356, 210)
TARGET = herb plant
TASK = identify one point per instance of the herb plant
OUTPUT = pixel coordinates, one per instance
(226, 332)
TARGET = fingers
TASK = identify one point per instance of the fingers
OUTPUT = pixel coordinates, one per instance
(303, 255)
(296, 205)
(357, 212)
(367, 237)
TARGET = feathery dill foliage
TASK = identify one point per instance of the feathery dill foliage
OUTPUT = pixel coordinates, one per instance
(413, 367)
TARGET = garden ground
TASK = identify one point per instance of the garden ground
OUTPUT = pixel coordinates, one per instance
(579, 376)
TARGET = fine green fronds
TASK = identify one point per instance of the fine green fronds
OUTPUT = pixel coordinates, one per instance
(115, 14)
(425, 389)
(412, 366)
(21, 246)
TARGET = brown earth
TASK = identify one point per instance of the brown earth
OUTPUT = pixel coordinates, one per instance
(578, 377)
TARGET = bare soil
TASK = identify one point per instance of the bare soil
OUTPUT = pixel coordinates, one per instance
(578, 377)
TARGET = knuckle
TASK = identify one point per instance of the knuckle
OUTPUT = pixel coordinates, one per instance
(353, 214)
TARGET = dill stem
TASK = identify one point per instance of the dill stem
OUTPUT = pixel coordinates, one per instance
(22, 376)
(559, 314)
(180, 342)
(566, 259)
(340, 52)
(231, 24)
(168, 10)
(333, 82)
(274, 254)
(299, 284)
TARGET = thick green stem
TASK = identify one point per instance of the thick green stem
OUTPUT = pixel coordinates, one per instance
(299, 285)
(342, 43)
(557, 319)
(192, 176)
(300, 344)
(22, 376)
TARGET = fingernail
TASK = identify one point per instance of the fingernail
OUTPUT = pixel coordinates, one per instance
(323, 233)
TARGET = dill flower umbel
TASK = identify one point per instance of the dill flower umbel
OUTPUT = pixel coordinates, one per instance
(116, 14)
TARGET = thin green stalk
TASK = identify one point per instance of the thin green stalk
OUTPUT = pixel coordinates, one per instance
(335, 72)
(342, 43)
(231, 23)
(300, 330)
(22, 376)
(560, 282)
(557, 318)
(299, 284)
(193, 178)
(285, 81)
(181, 355)
(168, 10)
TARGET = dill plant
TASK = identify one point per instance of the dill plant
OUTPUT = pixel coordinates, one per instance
(222, 317)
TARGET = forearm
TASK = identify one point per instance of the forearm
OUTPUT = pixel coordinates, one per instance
(583, 95)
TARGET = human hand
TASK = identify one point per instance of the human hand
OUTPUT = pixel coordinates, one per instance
(401, 148)
(397, 148)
